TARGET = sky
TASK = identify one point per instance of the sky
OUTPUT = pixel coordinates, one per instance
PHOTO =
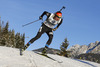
(81, 20)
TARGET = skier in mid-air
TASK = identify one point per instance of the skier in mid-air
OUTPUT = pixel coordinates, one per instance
(46, 27)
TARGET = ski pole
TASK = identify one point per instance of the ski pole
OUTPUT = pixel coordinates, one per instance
(30, 23)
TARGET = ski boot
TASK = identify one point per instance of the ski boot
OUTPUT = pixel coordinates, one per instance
(44, 52)
(21, 51)
(24, 48)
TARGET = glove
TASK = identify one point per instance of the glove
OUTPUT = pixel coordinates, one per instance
(54, 29)
(40, 18)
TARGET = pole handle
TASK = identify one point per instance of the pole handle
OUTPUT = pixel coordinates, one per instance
(62, 8)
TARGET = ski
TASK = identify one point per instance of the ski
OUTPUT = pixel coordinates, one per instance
(50, 57)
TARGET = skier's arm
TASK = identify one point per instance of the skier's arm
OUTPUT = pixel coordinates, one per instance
(44, 13)
(58, 25)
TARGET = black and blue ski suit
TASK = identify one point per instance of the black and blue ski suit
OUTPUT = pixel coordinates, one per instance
(46, 27)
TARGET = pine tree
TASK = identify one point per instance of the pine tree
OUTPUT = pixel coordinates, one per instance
(6, 28)
(6, 34)
(0, 31)
(64, 46)
(12, 38)
(19, 40)
(23, 40)
(0, 24)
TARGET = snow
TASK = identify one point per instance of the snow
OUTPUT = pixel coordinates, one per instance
(9, 57)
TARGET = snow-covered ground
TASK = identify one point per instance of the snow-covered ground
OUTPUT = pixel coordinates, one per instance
(9, 57)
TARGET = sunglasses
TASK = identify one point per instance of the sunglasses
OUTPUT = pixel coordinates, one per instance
(58, 16)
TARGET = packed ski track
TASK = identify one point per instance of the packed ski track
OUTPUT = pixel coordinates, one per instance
(10, 57)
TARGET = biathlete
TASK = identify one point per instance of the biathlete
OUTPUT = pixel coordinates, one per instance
(46, 27)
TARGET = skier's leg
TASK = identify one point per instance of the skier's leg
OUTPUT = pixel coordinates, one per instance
(36, 37)
(40, 32)
(50, 35)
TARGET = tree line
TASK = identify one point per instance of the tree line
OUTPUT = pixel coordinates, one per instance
(9, 38)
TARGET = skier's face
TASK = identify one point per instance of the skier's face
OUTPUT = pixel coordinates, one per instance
(56, 18)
